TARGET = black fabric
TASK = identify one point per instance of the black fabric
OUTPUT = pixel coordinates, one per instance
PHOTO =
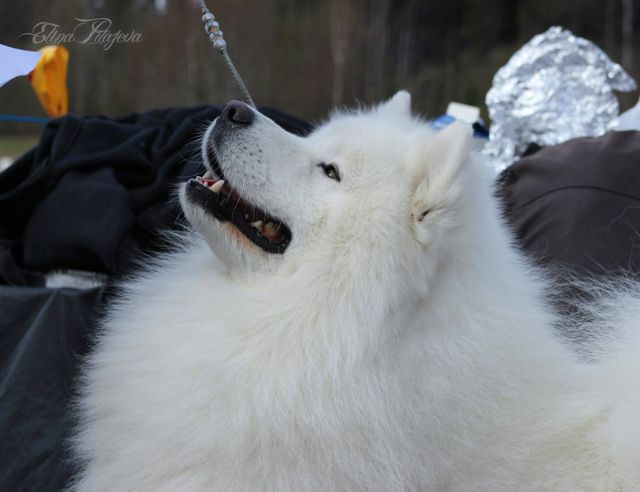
(576, 206)
(91, 196)
(42, 334)
(96, 190)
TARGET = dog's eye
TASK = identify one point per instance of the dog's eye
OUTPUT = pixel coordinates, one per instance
(330, 171)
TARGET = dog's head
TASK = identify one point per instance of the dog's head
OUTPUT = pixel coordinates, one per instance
(365, 183)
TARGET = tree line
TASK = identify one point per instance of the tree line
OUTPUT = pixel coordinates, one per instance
(305, 56)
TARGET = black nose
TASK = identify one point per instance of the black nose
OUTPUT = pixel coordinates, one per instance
(238, 112)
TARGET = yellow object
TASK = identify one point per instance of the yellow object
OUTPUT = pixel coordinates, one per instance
(49, 80)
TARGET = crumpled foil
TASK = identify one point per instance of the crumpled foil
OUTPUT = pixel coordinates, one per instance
(556, 87)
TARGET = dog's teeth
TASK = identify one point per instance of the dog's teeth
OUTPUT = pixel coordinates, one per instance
(208, 175)
(257, 224)
(217, 186)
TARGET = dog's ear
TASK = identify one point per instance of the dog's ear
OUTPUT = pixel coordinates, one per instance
(448, 150)
(398, 105)
(444, 156)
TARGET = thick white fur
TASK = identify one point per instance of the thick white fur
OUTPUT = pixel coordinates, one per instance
(385, 350)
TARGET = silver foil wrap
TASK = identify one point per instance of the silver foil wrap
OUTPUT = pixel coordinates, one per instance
(556, 87)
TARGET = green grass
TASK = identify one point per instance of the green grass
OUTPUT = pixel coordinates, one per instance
(16, 145)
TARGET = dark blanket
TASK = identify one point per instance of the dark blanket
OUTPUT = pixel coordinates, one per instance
(43, 333)
(96, 192)
(576, 206)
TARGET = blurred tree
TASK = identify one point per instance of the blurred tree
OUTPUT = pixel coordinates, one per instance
(627, 34)
(340, 22)
(305, 56)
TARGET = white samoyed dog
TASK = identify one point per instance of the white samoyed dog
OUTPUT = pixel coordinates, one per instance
(363, 323)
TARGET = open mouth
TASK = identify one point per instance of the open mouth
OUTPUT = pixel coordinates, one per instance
(220, 199)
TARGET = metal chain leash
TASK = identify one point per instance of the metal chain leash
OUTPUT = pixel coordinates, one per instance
(212, 28)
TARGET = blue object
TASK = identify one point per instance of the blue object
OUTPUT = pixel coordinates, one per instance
(23, 119)
(479, 131)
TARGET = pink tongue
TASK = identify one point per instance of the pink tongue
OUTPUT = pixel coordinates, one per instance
(270, 234)
(205, 181)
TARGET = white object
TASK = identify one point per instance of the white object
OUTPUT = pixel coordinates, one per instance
(15, 62)
(75, 279)
(629, 120)
(5, 162)
(463, 112)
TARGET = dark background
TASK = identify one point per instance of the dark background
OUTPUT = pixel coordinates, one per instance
(305, 56)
